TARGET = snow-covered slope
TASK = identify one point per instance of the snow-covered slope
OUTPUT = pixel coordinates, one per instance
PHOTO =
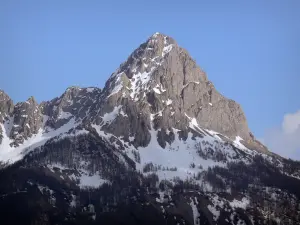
(10, 154)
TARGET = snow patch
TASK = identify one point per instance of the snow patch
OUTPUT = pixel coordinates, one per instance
(167, 48)
(238, 144)
(156, 90)
(240, 204)
(90, 89)
(155, 35)
(73, 201)
(122, 113)
(214, 211)
(196, 213)
(118, 84)
(111, 116)
(91, 181)
(64, 115)
(139, 81)
(195, 82)
(169, 102)
(131, 138)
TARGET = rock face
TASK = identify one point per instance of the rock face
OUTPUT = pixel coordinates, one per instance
(27, 120)
(6, 105)
(6, 108)
(157, 145)
(74, 103)
(161, 78)
(22, 120)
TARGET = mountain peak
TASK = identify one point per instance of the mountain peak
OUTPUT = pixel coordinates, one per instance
(160, 72)
(31, 99)
(163, 83)
(135, 74)
(160, 132)
(155, 34)
(160, 43)
(162, 36)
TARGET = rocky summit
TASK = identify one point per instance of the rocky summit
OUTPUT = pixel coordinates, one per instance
(157, 145)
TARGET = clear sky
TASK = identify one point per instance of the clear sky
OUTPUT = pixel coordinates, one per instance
(249, 49)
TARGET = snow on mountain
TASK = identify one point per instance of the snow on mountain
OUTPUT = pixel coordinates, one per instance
(158, 137)
(139, 67)
(182, 158)
(11, 154)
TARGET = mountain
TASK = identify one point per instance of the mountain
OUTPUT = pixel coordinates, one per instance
(157, 145)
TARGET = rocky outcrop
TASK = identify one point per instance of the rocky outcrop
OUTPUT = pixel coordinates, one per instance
(22, 120)
(27, 120)
(75, 103)
(6, 105)
(6, 108)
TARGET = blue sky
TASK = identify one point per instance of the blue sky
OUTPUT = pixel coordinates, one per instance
(250, 50)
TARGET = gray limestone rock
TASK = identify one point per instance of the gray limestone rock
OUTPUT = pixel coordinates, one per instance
(6, 105)
(75, 103)
(27, 120)
(161, 78)
(6, 108)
